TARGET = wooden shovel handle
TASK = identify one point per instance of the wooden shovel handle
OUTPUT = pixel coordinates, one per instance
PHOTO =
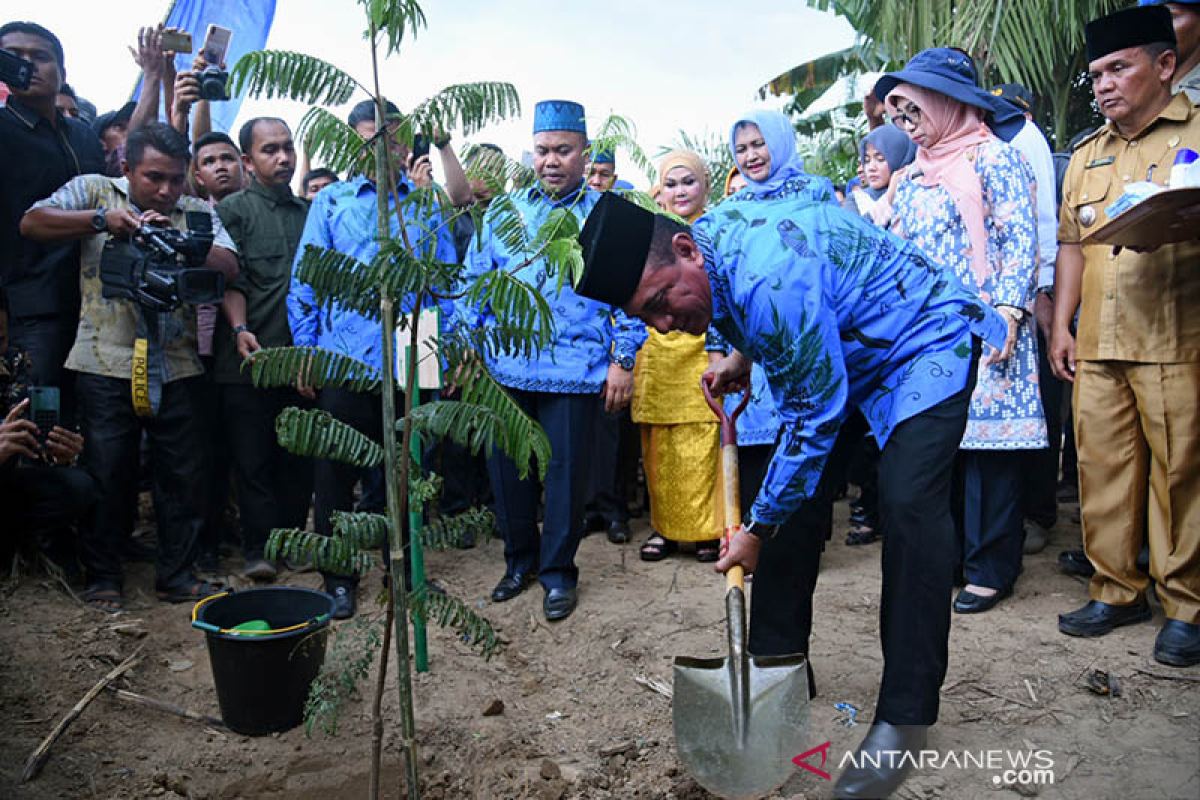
(734, 577)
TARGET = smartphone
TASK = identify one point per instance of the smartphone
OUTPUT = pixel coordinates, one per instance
(216, 44)
(420, 147)
(43, 409)
(177, 41)
(15, 71)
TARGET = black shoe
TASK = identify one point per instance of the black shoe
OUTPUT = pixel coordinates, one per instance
(971, 603)
(345, 600)
(885, 744)
(1075, 562)
(559, 603)
(1097, 619)
(593, 523)
(1178, 644)
(511, 585)
(618, 531)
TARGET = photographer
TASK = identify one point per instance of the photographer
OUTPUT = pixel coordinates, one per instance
(123, 344)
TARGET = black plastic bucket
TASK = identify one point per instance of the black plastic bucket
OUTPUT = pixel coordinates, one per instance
(263, 679)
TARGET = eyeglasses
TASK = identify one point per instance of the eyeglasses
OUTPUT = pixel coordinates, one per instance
(911, 117)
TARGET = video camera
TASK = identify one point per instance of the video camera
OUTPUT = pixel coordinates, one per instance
(15, 71)
(160, 267)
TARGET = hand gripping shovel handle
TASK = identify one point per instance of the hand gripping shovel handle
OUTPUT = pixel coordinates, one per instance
(729, 473)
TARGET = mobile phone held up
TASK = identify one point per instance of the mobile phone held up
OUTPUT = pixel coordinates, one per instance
(176, 41)
(44, 409)
(213, 79)
(15, 71)
(420, 147)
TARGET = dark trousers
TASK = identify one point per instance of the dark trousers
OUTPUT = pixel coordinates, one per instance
(609, 486)
(218, 459)
(47, 340)
(41, 500)
(111, 432)
(1039, 472)
(465, 481)
(991, 515)
(567, 420)
(274, 486)
(919, 555)
(334, 481)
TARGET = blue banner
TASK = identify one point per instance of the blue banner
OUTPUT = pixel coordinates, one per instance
(250, 21)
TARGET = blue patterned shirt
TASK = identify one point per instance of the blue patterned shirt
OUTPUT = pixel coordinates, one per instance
(839, 313)
(588, 335)
(343, 218)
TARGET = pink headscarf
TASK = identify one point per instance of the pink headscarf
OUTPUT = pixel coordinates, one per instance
(956, 129)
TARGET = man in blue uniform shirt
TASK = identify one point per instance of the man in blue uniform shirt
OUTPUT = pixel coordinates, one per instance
(840, 314)
(592, 352)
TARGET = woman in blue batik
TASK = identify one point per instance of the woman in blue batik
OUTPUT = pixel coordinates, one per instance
(968, 202)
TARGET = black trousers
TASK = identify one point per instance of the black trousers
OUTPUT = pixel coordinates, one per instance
(919, 555)
(112, 432)
(615, 442)
(218, 459)
(991, 515)
(465, 481)
(1039, 468)
(567, 420)
(47, 340)
(274, 487)
(41, 500)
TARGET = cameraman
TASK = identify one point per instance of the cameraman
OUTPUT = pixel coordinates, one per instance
(92, 208)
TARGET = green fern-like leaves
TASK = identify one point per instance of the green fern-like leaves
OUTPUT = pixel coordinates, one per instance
(337, 554)
(468, 107)
(447, 533)
(616, 133)
(330, 141)
(394, 19)
(450, 612)
(523, 323)
(316, 433)
(295, 76)
(348, 662)
(274, 367)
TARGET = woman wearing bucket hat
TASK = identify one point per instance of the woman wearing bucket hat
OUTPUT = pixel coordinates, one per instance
(968, 202)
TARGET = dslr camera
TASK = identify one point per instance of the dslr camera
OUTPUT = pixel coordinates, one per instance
(213, 81)
(160, 268)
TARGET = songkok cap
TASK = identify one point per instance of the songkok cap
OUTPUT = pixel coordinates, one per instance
(600, 155)
(558, 115)
(110, 118)
(1160, 2)
(615, 240)
(1016, 94)
(1131, 27)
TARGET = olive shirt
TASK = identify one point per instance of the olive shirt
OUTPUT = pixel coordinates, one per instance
(266, 223)
(108, 327)
(1134, 306)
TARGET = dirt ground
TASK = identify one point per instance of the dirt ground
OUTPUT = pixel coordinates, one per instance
(578, 719)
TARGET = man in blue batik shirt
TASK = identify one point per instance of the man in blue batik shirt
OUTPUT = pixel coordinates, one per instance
(592, 352)
(839, 313)
(343, 218)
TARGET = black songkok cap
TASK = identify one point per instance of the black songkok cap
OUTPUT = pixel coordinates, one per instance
(1131, 27)
(615, 240)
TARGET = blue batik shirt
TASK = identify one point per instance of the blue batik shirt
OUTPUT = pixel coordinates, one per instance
(759, 422)
(839, 313)
(588, 335)
(343, 217)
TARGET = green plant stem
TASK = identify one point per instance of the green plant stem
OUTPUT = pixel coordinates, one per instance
(377, 701)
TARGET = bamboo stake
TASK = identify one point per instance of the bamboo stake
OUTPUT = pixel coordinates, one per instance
(161, 705)
(38, 757)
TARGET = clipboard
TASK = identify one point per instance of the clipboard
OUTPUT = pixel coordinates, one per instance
(429, 364)
(1166, 217)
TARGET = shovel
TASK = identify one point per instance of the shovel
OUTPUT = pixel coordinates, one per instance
(740, 720)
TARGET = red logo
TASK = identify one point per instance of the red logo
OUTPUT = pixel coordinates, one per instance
(823, 749)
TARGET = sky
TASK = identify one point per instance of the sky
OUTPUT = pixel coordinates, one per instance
(665, 65)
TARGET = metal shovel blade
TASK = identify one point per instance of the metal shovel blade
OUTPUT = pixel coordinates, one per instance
(740, 720)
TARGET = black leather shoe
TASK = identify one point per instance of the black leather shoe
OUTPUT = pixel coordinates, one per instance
(884, 744)
(1075, 562)
(971, 603)
(345, 602)
(510, 586)
(1097, 619)
(1178, 644)
(559, 603)
(618, 531)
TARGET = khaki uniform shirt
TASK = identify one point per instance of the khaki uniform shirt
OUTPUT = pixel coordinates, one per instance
(1134, 307)
(1190, 84)
(107, 327)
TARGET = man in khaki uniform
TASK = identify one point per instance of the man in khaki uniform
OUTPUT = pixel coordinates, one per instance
(1136, 362)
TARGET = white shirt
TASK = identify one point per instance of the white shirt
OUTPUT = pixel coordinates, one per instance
(1033, 145)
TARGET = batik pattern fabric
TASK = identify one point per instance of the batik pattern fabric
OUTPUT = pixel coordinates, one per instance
(588, 335)
(840, 314)
(343, 217)
(1006, 408)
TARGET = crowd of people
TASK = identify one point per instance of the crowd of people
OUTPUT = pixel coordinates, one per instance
(913, 332)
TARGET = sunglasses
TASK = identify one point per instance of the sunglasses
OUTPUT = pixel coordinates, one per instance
(910, 117)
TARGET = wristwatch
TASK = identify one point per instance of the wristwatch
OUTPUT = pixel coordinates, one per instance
(625, 362)
(441, 143)
(100, 219)
(239, 329)
(760, 529)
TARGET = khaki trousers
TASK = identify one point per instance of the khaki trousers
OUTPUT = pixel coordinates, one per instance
(1137, 430)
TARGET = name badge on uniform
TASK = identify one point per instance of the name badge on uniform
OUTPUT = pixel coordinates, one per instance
(1100, 162)
(1087, 215)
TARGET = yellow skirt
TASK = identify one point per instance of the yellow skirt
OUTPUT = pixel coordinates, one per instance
(683, 465)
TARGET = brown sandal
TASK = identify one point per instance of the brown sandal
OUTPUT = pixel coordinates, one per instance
(103, 597)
